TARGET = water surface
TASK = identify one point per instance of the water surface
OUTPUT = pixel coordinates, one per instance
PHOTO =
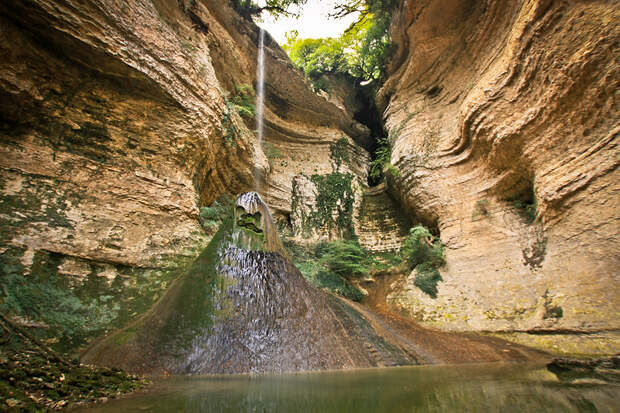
(455, 388)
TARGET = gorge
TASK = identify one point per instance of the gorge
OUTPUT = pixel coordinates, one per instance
(123, 122)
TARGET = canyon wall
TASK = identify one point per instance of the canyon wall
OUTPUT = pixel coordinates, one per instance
(116, 125)
(506, 121)
(118, 122)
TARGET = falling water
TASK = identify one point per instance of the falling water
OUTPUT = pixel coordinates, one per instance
(260, 95)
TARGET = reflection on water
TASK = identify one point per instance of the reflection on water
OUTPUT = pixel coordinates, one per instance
(456, 388)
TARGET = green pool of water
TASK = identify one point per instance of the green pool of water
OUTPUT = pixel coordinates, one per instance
(454, 388)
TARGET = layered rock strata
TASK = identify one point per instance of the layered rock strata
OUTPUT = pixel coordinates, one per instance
(117, 123)
(507, 122)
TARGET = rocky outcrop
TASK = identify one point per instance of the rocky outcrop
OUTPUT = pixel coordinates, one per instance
(383, 225)
(506, 110)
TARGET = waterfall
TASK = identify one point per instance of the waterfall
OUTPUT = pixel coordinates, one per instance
(260, 94)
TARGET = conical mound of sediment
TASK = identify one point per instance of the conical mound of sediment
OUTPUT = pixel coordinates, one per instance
(244, 307)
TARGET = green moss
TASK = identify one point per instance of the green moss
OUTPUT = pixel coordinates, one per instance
(35, 380)
(78, 310)
(43, 296)
(334, 203)
(124, 336)
(339, 152)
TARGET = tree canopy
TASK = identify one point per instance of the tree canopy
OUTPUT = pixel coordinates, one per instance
(359, 52)
(249, 8)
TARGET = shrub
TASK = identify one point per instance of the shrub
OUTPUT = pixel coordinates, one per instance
(239, 103)
(422, 247)
(427, 278)
(339, 285)
(330, 265)
(424, 253)
(271, 152)
(345, 258)
(481, 208)
(383, 157)
(527, 210)
(212, 216)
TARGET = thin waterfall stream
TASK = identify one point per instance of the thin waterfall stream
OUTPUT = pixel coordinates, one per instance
(260, 97)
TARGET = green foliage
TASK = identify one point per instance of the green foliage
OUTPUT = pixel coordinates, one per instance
(422, 247)
(270, 151)
(334, 202)
(339, 152)
(427, 278)
(424, 253)
(384, 261)
(248, 8)
(331, 265)
(212, 216)
(527, 210)
(316, 57)
(243, 99)
(345, 258)
(381, 164)
(338, 285)
(369, 36)
(239, 103)
(360, 52)
(481, 208)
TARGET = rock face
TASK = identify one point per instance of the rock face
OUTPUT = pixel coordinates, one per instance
(118, 120)
(504, 110)
(243, 307)
(117, 123)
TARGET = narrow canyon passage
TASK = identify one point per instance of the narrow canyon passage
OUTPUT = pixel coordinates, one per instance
(429, 182)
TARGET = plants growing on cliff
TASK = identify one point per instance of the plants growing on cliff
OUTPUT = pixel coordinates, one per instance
(249, 8)
(212, 216)
(339, 153)
(424, 253)
(334, 202)
(481, 208)
(381, 164)
(43, 299)
(239, 103)
(345, 258)
(271, 152)
(332, 265)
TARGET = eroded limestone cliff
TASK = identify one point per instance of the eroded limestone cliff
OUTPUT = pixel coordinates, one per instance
(502, 110)
(117, 124)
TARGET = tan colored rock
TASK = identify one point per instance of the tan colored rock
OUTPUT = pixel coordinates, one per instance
(500, 100)
(113, 133)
